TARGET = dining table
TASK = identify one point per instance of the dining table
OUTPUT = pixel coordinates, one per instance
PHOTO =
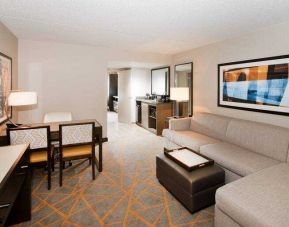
(55, 135)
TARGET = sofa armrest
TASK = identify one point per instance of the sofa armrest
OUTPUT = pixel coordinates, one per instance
(180, 124)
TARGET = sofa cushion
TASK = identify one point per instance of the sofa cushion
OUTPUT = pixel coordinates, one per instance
(210, 124)
(268, 140)
(260, 199)
(236, 159)
(188, 139)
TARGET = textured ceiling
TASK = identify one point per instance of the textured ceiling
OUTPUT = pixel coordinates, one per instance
(157, 26)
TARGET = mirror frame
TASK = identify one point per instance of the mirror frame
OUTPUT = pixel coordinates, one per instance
(191, 85)
(169, 78)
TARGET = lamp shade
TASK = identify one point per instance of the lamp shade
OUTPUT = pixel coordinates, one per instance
(22, 98)
(179, 93)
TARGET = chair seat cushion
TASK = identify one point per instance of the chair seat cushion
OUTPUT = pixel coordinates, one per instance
(236, 159)
(260, 199)
(190, 139)
(38, 156)
(76, 151)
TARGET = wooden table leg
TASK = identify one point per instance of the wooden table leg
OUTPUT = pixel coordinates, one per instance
(100, 150)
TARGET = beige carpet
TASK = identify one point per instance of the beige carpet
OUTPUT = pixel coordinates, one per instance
(126, 193)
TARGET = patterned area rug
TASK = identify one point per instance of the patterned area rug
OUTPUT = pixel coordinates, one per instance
(126, 193)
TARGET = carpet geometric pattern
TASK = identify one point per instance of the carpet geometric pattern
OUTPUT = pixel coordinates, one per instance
(126, 193)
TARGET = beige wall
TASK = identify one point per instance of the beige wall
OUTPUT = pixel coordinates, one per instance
(74, 77)
(264, 43)
(9, 47)
(70, 77)
(132, 83)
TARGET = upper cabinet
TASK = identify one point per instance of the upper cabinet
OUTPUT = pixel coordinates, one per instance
(160, 81)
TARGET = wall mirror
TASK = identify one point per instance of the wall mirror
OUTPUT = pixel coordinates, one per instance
(160, 81)
(184, 78)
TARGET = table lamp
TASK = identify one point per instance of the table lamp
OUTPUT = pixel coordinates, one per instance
(21, 98)
(179, 95)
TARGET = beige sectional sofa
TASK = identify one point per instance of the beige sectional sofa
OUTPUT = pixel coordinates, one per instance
(248, 152)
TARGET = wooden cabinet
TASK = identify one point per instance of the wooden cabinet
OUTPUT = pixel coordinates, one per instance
(15, 185)
(153, 114)
(163, 111)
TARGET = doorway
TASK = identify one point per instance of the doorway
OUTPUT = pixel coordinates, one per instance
(112, 103)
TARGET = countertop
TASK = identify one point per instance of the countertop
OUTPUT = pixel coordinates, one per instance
(9, 156)
(150, 101)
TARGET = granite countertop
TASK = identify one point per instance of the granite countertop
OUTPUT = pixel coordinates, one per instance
(150, 101)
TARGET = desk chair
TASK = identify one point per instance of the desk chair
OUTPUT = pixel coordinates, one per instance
(77, 142)
(41, 151)
(57, 117)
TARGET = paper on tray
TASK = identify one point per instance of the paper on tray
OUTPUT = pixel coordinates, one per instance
(187, 157)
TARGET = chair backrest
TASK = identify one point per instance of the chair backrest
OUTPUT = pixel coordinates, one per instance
(36, 137)
(77, 134)
(57, 117)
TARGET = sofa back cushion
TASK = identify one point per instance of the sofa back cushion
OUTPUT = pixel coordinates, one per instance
(269, 140)
(210, 124)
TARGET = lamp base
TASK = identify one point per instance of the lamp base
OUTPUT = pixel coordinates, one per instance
(18, 126)
(12, 124)
(9, 125)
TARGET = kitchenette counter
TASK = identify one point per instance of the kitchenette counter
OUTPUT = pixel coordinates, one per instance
(151, 101)
(151, 114)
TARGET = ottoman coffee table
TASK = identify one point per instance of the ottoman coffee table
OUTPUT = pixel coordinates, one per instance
(194, 187)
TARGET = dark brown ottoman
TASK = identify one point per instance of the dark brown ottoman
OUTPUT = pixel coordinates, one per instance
(196, 189)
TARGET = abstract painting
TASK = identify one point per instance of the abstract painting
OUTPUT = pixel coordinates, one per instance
(5, 86)
(256, 85)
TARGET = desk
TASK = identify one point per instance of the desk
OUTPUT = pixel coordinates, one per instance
(15, 185)
(54, 134)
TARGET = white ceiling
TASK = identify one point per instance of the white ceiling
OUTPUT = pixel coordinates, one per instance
(157, 26)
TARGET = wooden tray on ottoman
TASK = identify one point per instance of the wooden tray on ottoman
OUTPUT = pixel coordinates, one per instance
(188, 158)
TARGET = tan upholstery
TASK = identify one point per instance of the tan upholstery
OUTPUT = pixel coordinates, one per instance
(188, 139)
(76, 151)
(38, 139)
(180, 124)
(245, 148)
(237, 159)
(38, 156)
(211, 125)
(222, 220)
(267, 140)
(260, 199)
(81, 136)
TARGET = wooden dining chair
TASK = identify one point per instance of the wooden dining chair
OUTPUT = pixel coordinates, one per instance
(77, 142)
(41, 150)
(51, 117)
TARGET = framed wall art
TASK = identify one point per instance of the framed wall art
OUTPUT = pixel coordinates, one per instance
(256, 85)
(5, 86)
